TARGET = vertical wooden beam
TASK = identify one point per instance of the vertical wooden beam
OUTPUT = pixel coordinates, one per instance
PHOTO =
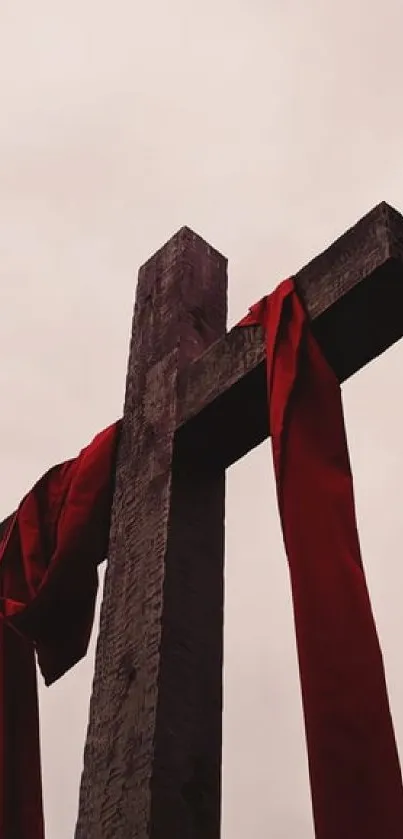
(153, 752)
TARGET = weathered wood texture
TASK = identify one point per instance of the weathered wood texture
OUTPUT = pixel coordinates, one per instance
(353, 293)
(153, 753)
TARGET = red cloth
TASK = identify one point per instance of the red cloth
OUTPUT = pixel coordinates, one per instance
(48, 586)
(354, 767)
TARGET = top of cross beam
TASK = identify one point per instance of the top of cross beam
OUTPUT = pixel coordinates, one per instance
(353, 293)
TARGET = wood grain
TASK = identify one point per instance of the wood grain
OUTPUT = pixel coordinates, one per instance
(153, 753)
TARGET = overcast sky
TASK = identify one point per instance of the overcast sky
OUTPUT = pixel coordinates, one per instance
(267, 127)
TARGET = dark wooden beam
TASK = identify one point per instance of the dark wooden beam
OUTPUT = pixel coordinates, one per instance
(353, 293)
(152, 761)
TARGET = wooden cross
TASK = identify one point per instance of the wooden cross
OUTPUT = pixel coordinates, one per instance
(195, 402)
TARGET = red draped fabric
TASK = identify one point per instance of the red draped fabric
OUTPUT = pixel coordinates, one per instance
(48, 586)
(48, 583)
(354, 767)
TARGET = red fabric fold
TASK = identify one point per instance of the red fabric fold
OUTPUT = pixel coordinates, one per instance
(354, 768)
(48, 586)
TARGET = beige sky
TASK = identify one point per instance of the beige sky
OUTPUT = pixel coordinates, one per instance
(268, 128)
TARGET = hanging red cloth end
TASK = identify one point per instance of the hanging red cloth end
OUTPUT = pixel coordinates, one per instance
(354, 768)
(48, 586)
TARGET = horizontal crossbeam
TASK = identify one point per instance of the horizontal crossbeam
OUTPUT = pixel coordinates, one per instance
(353, 293)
